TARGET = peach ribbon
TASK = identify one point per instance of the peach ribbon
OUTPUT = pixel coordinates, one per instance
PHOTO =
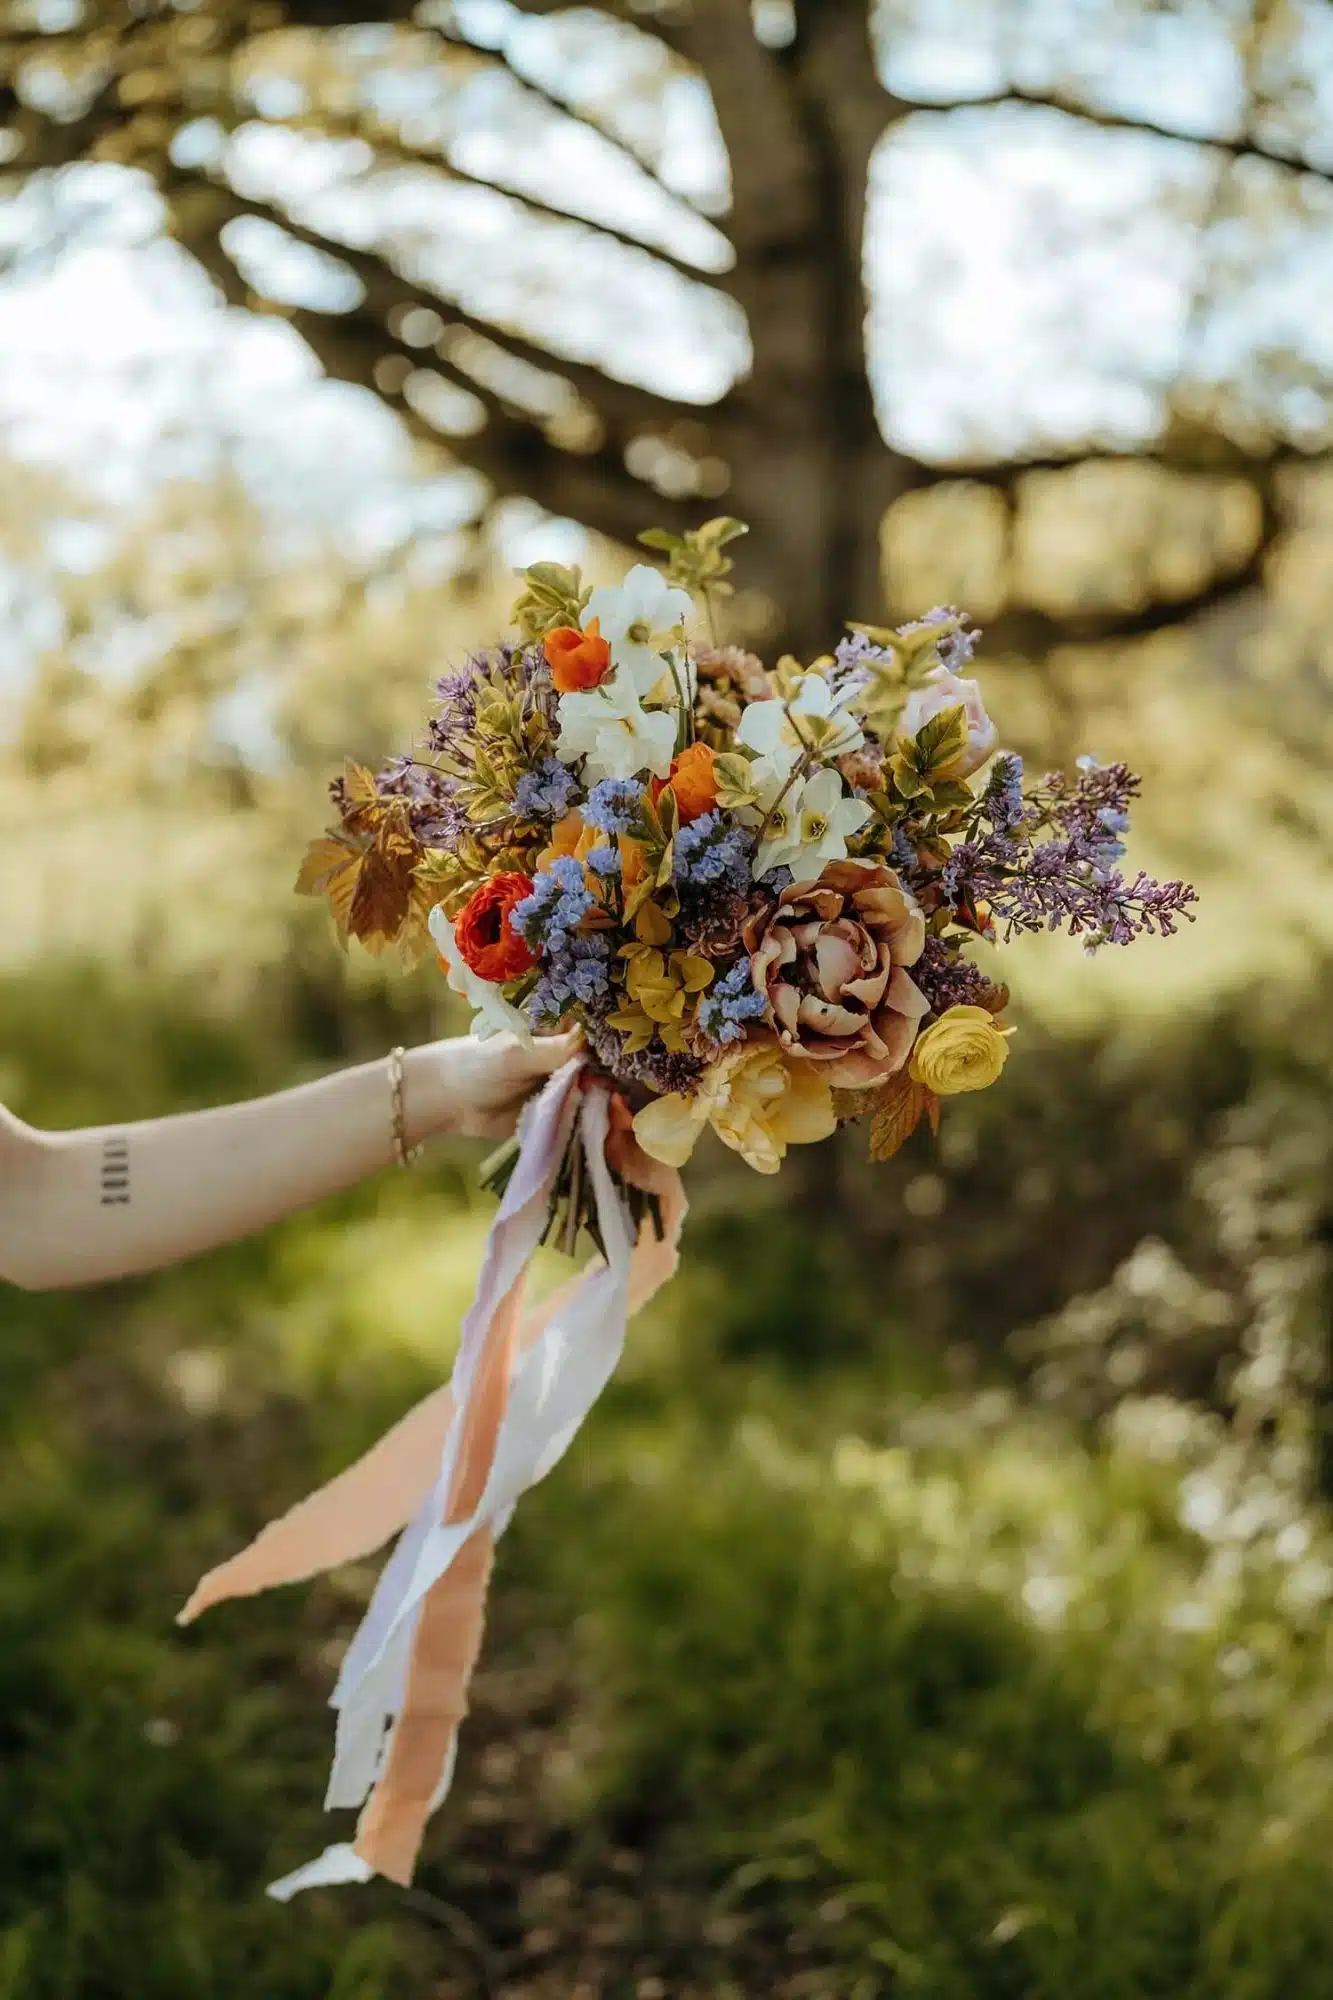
(449, 1474)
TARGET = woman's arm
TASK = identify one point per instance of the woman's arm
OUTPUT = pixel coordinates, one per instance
(80, 1207)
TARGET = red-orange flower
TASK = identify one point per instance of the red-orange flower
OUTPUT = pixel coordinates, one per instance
(486, 939)
(577, 659)
(693, 781)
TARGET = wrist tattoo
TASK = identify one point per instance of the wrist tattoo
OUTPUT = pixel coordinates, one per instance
(116, 1171)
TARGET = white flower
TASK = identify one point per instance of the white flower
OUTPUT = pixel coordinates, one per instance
(492, 1013)
(814, 718)
(777, 804)
(618, 736)
(808, 822)
(640, 620)
(826, 821)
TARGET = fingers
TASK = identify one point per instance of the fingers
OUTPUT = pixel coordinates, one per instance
(551, 1052)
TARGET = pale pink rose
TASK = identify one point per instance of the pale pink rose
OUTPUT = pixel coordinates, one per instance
(940, 690)
(832, 963)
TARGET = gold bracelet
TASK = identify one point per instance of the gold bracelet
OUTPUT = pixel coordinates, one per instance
(404, 1154)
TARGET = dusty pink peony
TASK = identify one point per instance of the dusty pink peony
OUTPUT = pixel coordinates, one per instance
(940, 690)
(832, 962)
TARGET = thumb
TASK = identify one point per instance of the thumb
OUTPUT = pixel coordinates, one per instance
(551, 1052)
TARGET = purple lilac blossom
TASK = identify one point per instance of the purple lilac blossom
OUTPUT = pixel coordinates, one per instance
(710, 852)
(1005, 805)
(548, 792)
(614, 806)
(604, 861)
(728, 1005)
(948, 980)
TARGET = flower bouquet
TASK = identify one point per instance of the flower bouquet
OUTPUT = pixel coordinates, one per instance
(763, 893)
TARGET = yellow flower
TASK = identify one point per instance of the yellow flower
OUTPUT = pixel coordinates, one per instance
(963, 1050)
(662, 983)
(757, 1101)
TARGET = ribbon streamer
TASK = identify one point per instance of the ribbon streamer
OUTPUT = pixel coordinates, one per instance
(450, 1474)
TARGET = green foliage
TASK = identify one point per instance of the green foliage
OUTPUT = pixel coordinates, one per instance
(695, 560)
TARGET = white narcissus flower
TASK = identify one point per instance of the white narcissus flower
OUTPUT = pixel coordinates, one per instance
(806, 821)
(825, 822)
(492, 1013)
(942, 689)
(814, 718)
(612, 729)
(776, 808)
(640, 619)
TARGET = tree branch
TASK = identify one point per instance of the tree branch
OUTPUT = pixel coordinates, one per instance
(1117, 121)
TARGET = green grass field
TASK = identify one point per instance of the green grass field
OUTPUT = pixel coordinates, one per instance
(844, 1677)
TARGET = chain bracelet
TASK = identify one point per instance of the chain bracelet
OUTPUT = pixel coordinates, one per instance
(405, 1155)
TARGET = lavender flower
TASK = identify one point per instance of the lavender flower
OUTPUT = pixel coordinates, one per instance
(709, 851)
(728, 1005)
(520, 669)
(548, 792)
(604, 861)
(433, 813)
(614, 806)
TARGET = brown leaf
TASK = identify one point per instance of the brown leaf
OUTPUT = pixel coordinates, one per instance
(332, 868)
(932, 1111)
(898, 1107)
(363, 803)
(849, 1105)
(382, 896)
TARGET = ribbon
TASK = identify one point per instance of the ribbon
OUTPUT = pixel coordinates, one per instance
(450, 1473)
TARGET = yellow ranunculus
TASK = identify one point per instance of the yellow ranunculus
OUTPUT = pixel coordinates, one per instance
(963, 1050)
(770, 1103)
(668, 1129)
(756, 1100)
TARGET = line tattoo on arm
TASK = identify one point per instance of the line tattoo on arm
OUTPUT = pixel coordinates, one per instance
(115, 1171)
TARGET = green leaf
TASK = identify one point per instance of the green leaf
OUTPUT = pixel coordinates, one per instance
(941, 739)
(659, 538)
(735, 785)
(949, 793)
(725, 528)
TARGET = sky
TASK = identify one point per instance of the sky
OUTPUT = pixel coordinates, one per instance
(1034, 279)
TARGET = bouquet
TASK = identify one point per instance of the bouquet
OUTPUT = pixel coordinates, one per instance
(772, 897)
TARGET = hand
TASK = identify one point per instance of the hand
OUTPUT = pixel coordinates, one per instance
(481, 1086)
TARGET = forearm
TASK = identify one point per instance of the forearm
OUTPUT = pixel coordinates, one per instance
(114, 1201)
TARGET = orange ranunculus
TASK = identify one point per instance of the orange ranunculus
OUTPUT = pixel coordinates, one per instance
(693, 781)
(577, 659)
(487, 941)
(633, 862)
(568, 836)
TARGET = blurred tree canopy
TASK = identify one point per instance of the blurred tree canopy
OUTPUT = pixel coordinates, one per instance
(669, 258)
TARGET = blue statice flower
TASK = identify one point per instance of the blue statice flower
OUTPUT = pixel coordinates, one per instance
(614, 806)
(711, 853)
(726, 1007)
(548, 792)
(575, 972)
(604, 861)
(557, 906)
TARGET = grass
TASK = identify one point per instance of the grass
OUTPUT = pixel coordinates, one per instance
(820, 1683)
